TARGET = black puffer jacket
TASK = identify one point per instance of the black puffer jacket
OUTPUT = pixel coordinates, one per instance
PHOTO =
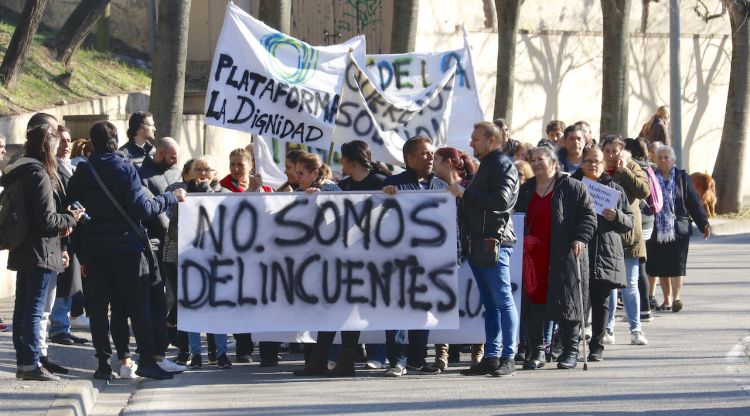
(489, 200)
(42, 247)
(606, 254)
(573, 219)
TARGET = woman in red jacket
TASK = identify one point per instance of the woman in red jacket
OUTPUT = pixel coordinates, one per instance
(241, 177)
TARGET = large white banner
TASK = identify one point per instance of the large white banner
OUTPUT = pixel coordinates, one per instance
(470, 308)
(407, 74)
(385, 122)
(268, 83)
(330, 261)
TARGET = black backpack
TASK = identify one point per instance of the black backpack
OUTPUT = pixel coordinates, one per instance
(14, 225)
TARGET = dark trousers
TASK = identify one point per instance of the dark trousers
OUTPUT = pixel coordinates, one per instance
(399, 352)
(535, 323)
(643, 287)
(124, 278)
(119, 327)
(32, 287)
(269, 352)
(158, 306)
(79, 303)
(244, 344)
(599, 298)
(348, 338)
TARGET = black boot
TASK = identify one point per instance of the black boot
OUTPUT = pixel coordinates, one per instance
(569, 334)
(52, 366)
(345, 364)
(318, 363)
(534, 358)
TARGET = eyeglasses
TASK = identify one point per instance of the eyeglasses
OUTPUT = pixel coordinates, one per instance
(593, 162)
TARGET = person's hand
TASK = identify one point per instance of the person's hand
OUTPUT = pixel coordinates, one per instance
(577, 248)
(84, 272)
(66, 259)
(77, 214)
(457, 190)
(180, 194)
(707, 232)
(312, 190)
(66, 232)
(390, 190)
(620, 165)
(609, 214)
(255, 182)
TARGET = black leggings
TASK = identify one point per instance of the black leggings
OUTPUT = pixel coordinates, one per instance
(643, 287)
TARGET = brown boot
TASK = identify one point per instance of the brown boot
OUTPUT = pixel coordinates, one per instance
(345, 364)
(477, 353)
(441, 356)
(318, 362)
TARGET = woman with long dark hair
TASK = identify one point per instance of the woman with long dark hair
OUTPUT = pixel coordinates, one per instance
(39, 258)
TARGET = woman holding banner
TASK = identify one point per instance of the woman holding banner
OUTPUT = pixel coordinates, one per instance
(313, 175)
(553, 280)
(241, 177)
(454, 166)
(606, 255)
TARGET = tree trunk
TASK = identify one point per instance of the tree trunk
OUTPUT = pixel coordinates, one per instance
(404, 32)
(616, 51)
(23, 37)
(729, 170)
(488, 7)
(168, 67)
(508, 12)
(277, 14)
(644, 15)
(76, 27)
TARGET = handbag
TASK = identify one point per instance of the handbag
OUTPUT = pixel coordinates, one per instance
(484, 252)
(654, 199)
(153, 263)
(682, 226)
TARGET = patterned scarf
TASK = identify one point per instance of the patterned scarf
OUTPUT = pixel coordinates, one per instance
(665, 219)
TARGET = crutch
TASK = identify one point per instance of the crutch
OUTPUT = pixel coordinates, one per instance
(582, 330)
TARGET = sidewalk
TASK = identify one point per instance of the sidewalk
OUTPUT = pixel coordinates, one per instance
(74, 394)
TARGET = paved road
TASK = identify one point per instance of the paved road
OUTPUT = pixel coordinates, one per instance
(695, 364)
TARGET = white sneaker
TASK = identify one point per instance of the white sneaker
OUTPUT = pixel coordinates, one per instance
(609, 338)
(80, 322)
(395, 371)
(170, 366)
(374, 365)
(129, 372)
(637, 338)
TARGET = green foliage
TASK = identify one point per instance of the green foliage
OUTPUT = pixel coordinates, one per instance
(45, 82)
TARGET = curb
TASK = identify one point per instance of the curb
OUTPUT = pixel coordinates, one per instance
(76, 398)
(730, 227)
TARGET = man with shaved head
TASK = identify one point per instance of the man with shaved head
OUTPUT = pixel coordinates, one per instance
(161, 170)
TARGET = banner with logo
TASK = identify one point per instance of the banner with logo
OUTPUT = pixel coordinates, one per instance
(270, 84)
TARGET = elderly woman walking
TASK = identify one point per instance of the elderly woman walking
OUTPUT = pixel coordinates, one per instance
(668, 245)
(555, 205)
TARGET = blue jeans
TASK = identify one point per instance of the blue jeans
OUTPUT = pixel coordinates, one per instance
(194, 338)
(500, 315)
(375, 352)
(631, 298)
(60, 316)
(32, 287)
(399, 351)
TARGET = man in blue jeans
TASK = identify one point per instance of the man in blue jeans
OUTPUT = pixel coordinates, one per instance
(487, 206)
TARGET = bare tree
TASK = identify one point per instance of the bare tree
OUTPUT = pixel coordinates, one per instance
(76, 27)
(645, 13)
(730, 163)
(508, 12)
(404, 32)
(277, 14)
(615, 54)
(488, 7)
(21, 41)
(168, 67)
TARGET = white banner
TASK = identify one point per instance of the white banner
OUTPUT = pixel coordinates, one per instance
(399, 74)
(271, 84)
(471, 311)
(330, 261)
(385, 122)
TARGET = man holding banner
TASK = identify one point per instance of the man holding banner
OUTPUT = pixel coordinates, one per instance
(488, 203)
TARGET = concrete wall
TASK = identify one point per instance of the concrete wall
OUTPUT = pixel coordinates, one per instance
(559, 67)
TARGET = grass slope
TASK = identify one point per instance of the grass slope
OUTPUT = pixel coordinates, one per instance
(40, 84)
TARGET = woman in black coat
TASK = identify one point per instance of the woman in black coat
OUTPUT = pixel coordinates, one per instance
(572, 226)
(668, 246)
(39, 258)
(606, 254)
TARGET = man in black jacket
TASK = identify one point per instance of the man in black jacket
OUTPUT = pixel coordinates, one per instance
(488, 204)
(141, 130)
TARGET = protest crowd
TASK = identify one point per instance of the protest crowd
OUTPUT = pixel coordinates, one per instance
(99, 249)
